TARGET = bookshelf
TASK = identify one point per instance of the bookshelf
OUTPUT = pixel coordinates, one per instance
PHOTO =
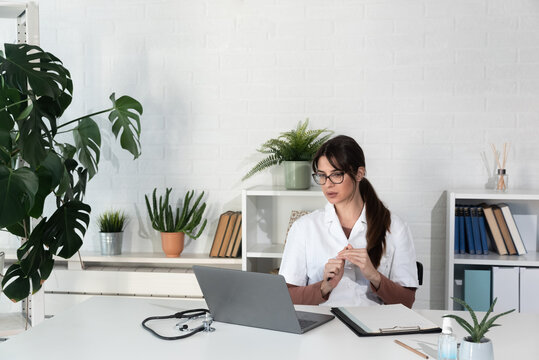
(520, 202)
(265, 217)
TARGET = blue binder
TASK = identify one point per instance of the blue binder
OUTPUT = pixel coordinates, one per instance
(485, 240)
(475, 229)
(458, 233)
(469, 231)
(477, 289)
(462, 231)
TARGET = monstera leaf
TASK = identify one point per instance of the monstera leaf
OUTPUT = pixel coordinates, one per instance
(50, 174)
(34, 265)
(17, 192)
(66, 228)
(88, 142)
(124, 119)
(30, 70)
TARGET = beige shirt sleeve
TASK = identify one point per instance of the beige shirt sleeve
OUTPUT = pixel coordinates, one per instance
(306, 295)
(393, 293)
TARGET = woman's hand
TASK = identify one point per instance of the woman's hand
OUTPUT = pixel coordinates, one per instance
(333, 272)
(361, 259)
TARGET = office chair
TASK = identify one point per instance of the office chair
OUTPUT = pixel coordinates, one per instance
(419, 272)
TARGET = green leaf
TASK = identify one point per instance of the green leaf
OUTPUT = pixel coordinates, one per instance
(17, 192)
(15, 286)
(68, 150)
(34, 137)
(88, 142)
(8, 111)
(50, 173)
(18, 229)
(66, 228)
(30, 70)
(124, 119)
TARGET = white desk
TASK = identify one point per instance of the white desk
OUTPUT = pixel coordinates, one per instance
(109, 328)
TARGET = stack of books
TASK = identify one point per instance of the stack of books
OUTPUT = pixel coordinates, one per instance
(227, 240)
(483, 227)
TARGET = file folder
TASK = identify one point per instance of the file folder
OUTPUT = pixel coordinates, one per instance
(505, 287)
(384, 320)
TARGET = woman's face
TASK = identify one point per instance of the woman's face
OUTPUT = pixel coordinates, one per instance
(337, 193)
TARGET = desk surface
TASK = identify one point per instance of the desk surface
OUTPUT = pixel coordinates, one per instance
(109, 327)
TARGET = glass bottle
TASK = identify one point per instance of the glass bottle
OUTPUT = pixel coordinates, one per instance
(447, 342)
(501, 180)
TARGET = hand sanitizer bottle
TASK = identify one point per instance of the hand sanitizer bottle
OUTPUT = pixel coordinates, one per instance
(447, 342)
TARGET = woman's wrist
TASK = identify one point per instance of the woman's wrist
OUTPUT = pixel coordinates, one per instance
(325, 289)
(376, 280)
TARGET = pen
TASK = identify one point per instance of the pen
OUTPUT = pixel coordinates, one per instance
(412, 349)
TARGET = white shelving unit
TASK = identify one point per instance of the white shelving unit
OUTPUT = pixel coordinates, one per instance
(26, 17)
(265, 217)
(520, 202)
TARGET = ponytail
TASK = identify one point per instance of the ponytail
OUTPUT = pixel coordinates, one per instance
(378, 221)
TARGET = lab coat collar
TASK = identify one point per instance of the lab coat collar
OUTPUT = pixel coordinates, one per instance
(331, 217)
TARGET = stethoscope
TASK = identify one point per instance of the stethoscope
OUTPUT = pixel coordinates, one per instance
(182, 326)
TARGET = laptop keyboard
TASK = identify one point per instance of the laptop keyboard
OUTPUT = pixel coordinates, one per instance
(306, 323)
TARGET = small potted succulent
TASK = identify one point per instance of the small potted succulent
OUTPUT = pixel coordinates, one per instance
(295, 149)
(174, 225)
(476, 346)
(111, 226)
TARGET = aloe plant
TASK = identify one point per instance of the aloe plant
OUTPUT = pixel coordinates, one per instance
(164, 219)
(299, 144)
(478, 330)
(112, 221)
(36, 163)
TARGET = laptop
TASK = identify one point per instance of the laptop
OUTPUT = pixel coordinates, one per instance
(253, 299)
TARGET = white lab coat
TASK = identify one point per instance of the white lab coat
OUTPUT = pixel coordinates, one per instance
(316, 237)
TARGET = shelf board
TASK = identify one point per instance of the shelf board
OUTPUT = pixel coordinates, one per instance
(282, 191)
(274, 251)
(156, 258)
(493, 259)
(484, 194)
(144, 258)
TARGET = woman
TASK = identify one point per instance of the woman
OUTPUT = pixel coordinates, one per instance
(354, 251)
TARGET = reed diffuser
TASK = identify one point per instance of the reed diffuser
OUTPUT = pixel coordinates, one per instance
(501, 173)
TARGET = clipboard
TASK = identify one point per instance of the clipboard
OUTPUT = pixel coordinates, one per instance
(383, 320)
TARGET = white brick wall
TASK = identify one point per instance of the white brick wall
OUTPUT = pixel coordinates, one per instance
(424, 85)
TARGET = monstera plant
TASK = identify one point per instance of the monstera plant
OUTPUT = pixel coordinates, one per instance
(38, 160)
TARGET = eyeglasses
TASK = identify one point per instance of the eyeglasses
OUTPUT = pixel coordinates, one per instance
(335, 178)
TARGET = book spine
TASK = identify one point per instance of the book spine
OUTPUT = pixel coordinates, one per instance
(469, 231)
(483, 230)
(475, 229)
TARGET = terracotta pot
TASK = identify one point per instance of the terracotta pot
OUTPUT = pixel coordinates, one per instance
(172, 243)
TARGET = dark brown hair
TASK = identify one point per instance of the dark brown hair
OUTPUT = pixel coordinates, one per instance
(345, 154)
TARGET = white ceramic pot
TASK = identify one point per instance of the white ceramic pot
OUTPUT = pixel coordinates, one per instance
(476, 351)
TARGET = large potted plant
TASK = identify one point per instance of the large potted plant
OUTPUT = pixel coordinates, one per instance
(111, 229)
(476, 346)
(296, 149)
(175, 224)
(36, 163)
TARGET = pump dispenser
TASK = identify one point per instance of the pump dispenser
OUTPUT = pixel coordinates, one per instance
(447, 342)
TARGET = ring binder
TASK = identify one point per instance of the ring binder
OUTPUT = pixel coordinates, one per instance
(380, 320)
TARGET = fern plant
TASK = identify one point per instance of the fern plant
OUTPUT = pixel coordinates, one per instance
(185, 220)
(112, 221)
(300, 144)
(478, 330)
